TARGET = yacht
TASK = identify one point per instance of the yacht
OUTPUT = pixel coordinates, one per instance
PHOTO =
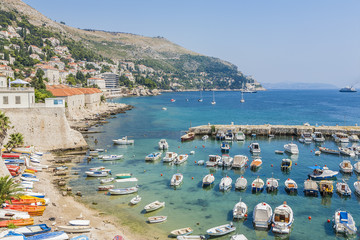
(318, 137)
(305, 137)
(341, 137)
(240, 136)
(291, 148)
(348, 89)
(255, 148)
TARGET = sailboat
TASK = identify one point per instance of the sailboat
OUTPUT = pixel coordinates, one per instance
(242, 97)
(200, 99)
(213, 101)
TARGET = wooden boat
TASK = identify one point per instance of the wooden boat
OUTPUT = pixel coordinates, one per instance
(112, 157)
(241, 183)
(311, 188)
(262, 216)
(326, 187)
(208, 180)
(74, 229)
(286, 164)
(154, 206)
(17, 222)
(8, 214)
(357, 167)
(181, 159)
(272, 184)
(256, 164)
(187, 137)
(182, 231)
(157, 219)
(328, 150)
(176, 179)
(191, 237)
(107, 180)
(33, 229)
(79, 222)
(123, 175)
(97, 173)
(153, 156)
(105, 188)
(32, 210)
(123, 191)
(135, 200)
(257, 185)
(170, 156)
(59, 235)
(123, 141)
(343, 188)
(344, 223)
(221, 230)
(357, 187)
(240, 210)
(163, 144)
(290, 186)
(346, 167)
(225, 183)
(32, 201)
(282, 219)
(127, 180)
(213, 160)
(239, 161)
(255, 148)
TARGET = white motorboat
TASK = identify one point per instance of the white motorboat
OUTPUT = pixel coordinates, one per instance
(357, 187)
(99, 169)
(343, 188)
(8, 214)
(200, 162)
(123, 191)
(240, 136)
(320, 173)
(257, 185)
(240, 210)
(239, 161)
(153, 156)
(328, 150)
(221, 230)
(182, 231)
(123, 141)
(238, 237)
(225, 147)
(225, 183)
(135, 200)
(346, 167)
(170, 156)
(226, 161)
(357, 167)
(286, 164)
(318, 137)
(241, 183)
(130, 179)
(181, 159)
(74, 229)
(341, 137)
(220, 135)
(305, 138)
(79, 222)
(229, 136)
(255, 164)
(154, 206)
(97, 173)
(105, 187)
(100, 149)
(282, 219)
(93, 153)
(354, 138)
(157, 219)
(291, 148)
(255, 148)
(262, 216)
(344, 223)
(163, 144)
(176, 179)
(272, 184)
(208, 180)
(311, 188)
(279, 152)
(205, 137)
(213, 160)
(346, 152)
(192, 152)
(29, 179)
(107, 180)
(112, 157)
(290, 185)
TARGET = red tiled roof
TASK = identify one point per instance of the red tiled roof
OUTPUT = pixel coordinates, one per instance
(64, 92)
(89, 90)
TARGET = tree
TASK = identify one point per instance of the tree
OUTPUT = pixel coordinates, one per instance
(38, 82)
(16, 140)
(80, 77)
(4, 126)
(8, 189)
(70, 79)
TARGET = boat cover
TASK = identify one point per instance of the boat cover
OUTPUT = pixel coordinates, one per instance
(343, 217)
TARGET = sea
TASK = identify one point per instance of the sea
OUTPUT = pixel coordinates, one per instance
(190, 205)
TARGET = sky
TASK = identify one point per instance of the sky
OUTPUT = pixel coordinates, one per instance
(273, 41)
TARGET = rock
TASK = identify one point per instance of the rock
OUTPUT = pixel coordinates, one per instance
(69, 189)
(78, 193)
(54, 204)
(64, 193)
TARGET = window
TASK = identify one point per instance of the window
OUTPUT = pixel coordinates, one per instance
(5, 100)
(17, 100)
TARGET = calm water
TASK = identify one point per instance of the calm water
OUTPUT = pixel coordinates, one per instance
(192, 206)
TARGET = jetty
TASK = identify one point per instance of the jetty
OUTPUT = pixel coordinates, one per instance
(276, 130)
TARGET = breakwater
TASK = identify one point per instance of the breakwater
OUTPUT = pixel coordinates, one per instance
(267, 129)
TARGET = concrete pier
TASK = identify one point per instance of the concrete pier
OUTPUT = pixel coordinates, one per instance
(267, 129)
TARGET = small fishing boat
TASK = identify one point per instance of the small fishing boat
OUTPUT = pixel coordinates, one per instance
(163, 144)
(225, 161)
(97, 173)
(328, 150)
(123, 141)
(344, 223)
(221, 230)
(59, 235)
(123, 191)
(225, 147)
(290, 186)
(105, 187)
(326, 188)
(33, 229)
(357, 187)
(239, 161)
(153, 156)
(192, 152)
(191, 237)
(135, 200)
(272, 184)
(220, 135)
(123, 175)
(8, 214)
(17, 222)
(187, 137)
(341, 137)
(157, 219)
(343, 188)
(172, 100)
(169, 157)
(154, 206)
(229, 136)
(262, 216)
(357, 167)
(29, 179)
(182, 231)
(241, 183)
(240, 210)
(213, 160)
(318, 137)
(11, 235)
(286, 164)
(240, 136)
(238, 237)
(107, 180)
(32, 210)
(34, 194)
(291, 148)
(347, 152)
(79, 222)
(208, 180)
(255, 148)
(305, 138)
(311, 188)
(317, 153)
(256, 164)
(225, 183)
(282, 219)
(92, 153)
(112, 157)
(176, 179)
(205, 137)
(257, 185)
(279, 152)
(127, 180)
(354, 138)
(346, 167)
(201, 162)
(74, 229)
(181, 159)
(100, 149)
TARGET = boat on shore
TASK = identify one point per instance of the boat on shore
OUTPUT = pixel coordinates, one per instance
(154, 206)
(354, 138)
(262, 216)
(191, 237)
(357, 167)
(123, 141)
(74, 229)
(225, 161)
(344, 223)
(208, 180)
(169, 157)
(176, 179)
(239, 161)
(157, 219)
(153, 156)
(282, 219)
(238, 237)
(241, 183)
(135, 200)
(221, 230)
(58, 235)
(107, 180)
(357, 187)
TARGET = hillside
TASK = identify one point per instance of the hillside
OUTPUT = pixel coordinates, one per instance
(173, 65)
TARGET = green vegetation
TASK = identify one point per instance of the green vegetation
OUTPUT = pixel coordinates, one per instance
(124, 81)
(146, 82)
(4, 126)
(40, 88)
(80, 52)
(8, 189)
(16, 140)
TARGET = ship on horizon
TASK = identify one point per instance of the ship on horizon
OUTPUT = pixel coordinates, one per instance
(348, 89)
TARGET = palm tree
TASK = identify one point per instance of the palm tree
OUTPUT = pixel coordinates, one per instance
(4, 126)
(8, 189)
(16, 140)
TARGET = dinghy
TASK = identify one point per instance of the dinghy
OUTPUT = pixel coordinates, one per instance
(123, 191)
(154, 206)
(157, 219)
(182, 231)
(256, 164)
(97, 173)
(225, 183)
(33, 229)
(343, 188)
(135, 200)
(346, 167)
(241, 183)
(107, 180)
(221, 230)
(153, 156)
(191, 237)
(290, 186)
(112, 157)
(282, 219)
(239, 161)
(262, 216)
(79, 222)
(257, 185)
(176, 179)
(311, 188)
(240, 210)
(61, 235)
(74, 229)
(170, 157)
(8, 214)
(272, 184)
(344, 223)
(123, 175)
(208, 180)
(11, 235)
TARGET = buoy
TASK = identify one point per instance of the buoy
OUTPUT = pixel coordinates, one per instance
(309, 217)
(272, 165)
(144, 170)
(203, 146)
(195, 146)
(178, 146)
(195, 161)
(325, 165)
(311, 151)
(328, 220)
(295, 163)
(245, 215)
(192, 177)
(161, 174)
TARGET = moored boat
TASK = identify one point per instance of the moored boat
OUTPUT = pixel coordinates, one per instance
(97, 173)
(205, 137)
(322, 173)
(318, 137)
(290, 186)
(123, 191)
(157, 219)
(208, 180)
(153, 156)
(354, 138)
(286, 164)
(344, 223)
(282, 219)
(257, 185)
(305, 138)
(107, 180)
(326, 188)
(213, 160)
(135, 200)
(262, 216)
(221, 230)
(357, 167)
(239, 161)
(225, 183)
(8, 214)
(154, 206)
(176, 179)
(341, 137)
(343, 188)
(291, 148)
(181, 159)
(241, 183)
(187, 137)
(238, 237)
(123, 141)
(182, 231)
(163, 144)
(311, 188)
(347, 152)
(112, 157)
(255, 148)
(105, 187)
(79, 222)
(225, 147)
(272, 184)
(240, 210)
(170, 156)
(255, 164)
(346, 167)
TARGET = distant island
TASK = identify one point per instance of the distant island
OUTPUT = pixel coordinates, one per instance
(299, 85)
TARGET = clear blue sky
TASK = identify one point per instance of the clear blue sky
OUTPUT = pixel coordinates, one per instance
(272, 40)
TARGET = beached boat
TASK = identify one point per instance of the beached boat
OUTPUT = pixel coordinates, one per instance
(181, 159)
(311, 188)
(79, 222)
(328, 150)
(240, 136)
(347, 152)
(59, 235)
(343, 188)
(176, 179)
(187, 137)
(238, 237)
(123, 141)
(32, 210)
(17, 222)
(291, 148)
(225, 183)
(107, 180)
(240, 210)
(341, 137)
(123, 191)
(112, 157)
(74, 229)
(154, 206)
(225, 147)
(286, 164)
(282, 219)
(81, 237)
(157, 219)
(255, 148)
(33, 229)
(170, 156)
(221, 230)
(344, 223)
(208, 180)
(163, 144)
(262, 216)
(32, 201)
(105, 187)
(135, 200)
(11, 235)
(123, 175)
(305, 138)
(239, 161)
(255, 164)
(326, 188)
(127, 180)
(357, 187)
(153, 156)
(182, 231)
(8, 214)
(346, 167)
(241, 183)
(29, 179)
(272, 184)
(225, 161)
(191, 237)
(97, 173)
(318, 137)
(257, 185)
(357, 167)
(213, 160)
(353, 138)
(320, 173)
(34, 194)
(290, 186)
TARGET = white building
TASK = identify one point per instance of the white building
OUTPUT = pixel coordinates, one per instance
(17, 97)
(111, 80)
(96, 81)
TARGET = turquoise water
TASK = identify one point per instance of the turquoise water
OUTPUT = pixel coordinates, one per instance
(192, 206)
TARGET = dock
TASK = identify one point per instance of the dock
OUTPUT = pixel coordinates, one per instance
(276, 130)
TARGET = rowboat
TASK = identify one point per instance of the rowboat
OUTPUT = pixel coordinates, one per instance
(176, 179)
(182, 231)
(225, 183)
(256, 164)
(238, 237)
(112, 157)
(127, 180)
(79, 222)
(107, 180)
(33, 229)
(105, 187)
(123, 141)
(257, 185)
(154, 206)
(282, 219)
(32, 201)
(74, 229)
(157, 219)
(29, 179)
(187, 137)
(191, 237)
(60, 235)
(221, 230)
(208, 180)
(135, 200)
(123, 191)
(328, 150)
(241, 183)
(123, 175)
(344, 223)
(240, 210)
(290, 185)
(17, 222)
(262, 216)
(153, 156)
(180, 159)
(8, 214)
(96, 173)
(11, 235)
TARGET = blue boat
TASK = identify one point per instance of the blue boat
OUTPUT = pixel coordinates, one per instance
(322, 173)
(49, 236)
(28, 175)
(81, 237)
(33, 229)
(13, 235)
(225, 147)
(14, 161)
